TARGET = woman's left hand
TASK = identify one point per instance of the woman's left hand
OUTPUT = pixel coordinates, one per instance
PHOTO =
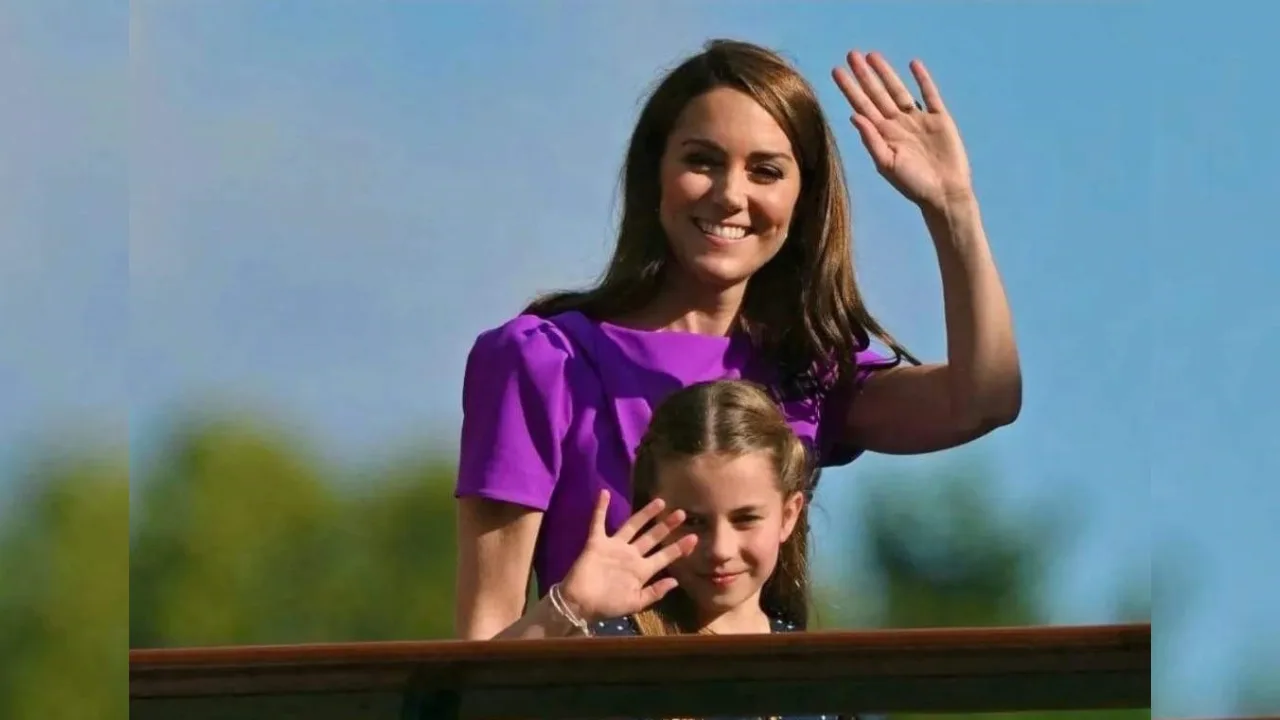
(917, 149)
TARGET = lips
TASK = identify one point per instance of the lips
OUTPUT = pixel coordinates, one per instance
(721, 233)
(722, 580)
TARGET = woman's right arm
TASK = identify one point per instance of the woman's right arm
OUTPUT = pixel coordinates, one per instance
(495, 559)
(516, 409)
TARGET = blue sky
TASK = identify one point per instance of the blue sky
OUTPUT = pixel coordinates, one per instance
(326, 201)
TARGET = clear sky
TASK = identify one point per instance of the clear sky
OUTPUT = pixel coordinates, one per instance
(326, 202)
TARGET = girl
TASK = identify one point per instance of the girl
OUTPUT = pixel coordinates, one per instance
(733, 260)
(732, 478)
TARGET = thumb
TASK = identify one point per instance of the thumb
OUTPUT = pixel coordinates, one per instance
(600, 513)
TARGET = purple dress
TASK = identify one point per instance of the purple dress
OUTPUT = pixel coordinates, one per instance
(554, 409)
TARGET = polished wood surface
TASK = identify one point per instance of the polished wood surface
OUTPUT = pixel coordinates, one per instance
(927, 670)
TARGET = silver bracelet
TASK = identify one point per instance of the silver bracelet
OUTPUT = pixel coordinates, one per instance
(561, 607)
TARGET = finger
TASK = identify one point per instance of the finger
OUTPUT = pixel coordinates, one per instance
(873, 141)
(857, 98)
(659, 532)
(600, 513)
(671, 553)
(636, 522)
(900, 95)
(928, 90)
(656, 591)
(870, 83)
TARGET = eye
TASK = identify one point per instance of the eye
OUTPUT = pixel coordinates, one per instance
(699, 160)
(769, 173)
(746, 520)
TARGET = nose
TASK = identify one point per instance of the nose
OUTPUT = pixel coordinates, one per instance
(720, 545)
(731, 191)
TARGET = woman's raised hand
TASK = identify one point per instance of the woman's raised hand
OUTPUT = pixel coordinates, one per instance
(917, 148)
(611, 577)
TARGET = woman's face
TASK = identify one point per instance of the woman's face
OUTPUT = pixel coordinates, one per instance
(730, 183)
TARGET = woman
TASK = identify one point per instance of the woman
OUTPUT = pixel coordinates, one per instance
(733, 260)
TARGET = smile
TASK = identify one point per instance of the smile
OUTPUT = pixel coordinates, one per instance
(720, 231)
(722, 579)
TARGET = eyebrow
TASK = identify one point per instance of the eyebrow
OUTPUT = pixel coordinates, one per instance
(736, 511)
(758, 155)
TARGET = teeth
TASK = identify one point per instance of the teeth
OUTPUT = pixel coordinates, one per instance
(728, 232)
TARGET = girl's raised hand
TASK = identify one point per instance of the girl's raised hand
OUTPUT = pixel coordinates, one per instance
(611, 578)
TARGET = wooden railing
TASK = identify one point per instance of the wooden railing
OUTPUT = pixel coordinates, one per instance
(965, 670)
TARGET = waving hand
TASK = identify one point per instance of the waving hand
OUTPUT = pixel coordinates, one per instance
(917, 148)
(611, 577)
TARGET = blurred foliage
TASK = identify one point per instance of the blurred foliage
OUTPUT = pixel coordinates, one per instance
(241, 537)
(63, 593)
(239, 533)
(940, 554)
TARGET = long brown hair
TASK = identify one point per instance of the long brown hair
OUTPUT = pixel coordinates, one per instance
(733, 417)
(803, 308)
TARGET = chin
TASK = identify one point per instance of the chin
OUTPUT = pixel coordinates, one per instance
(720, 269)
(725, 601)
(720, 273)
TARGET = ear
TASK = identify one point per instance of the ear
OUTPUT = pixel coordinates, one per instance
(791, 508)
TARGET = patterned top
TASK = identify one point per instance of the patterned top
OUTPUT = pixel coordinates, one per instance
(626, 627)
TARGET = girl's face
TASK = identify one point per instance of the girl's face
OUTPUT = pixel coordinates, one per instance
(730, 183)
(741, 519)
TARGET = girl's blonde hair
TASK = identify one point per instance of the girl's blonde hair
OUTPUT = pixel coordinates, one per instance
(732, 417)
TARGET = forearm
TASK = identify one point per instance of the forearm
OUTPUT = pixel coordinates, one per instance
(542, 620)
(982, 357)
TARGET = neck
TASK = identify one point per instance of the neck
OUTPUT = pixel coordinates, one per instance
(686, 306)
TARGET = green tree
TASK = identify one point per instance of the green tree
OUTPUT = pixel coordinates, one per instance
(234, 527)
(64, 597)
(393, 578)
(243, 537)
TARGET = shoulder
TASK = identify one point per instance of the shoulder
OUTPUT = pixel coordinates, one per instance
(528, 359)
(615, 627)
(528, 348)
(530, 338)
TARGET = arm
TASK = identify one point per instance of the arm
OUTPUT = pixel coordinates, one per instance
(918, 409)
(495, 559)
(515, 411)
(918, 149)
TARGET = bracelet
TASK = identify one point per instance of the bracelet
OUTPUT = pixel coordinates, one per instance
(561, 607)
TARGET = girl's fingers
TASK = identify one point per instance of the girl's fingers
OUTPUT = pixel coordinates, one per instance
(669, 554)
(659, 532)
(636, 522)
(655, 591)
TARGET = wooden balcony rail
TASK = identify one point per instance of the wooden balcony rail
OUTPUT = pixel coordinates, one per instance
(952, 670)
